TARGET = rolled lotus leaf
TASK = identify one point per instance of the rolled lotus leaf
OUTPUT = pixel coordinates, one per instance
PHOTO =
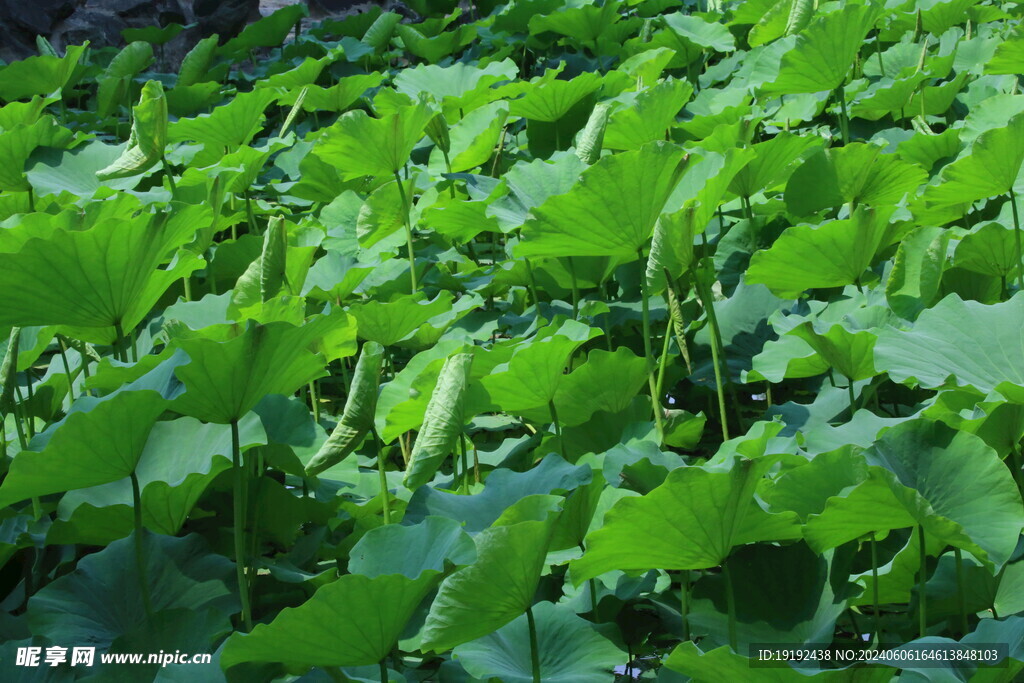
(9, 372)
(357, 418)
(442, 422)
(592, 137)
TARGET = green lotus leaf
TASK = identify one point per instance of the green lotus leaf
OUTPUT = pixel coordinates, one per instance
(103, 276)
(338, 97)
(40, 75)
(917, 271)
(227, 128)
(692, 521)
(268, 31)
(953, 477)
(774, 161)
(550, 101)
(321, 632)
(390, 322)
(434, 49)
(619, 199)
(704, 34)
(571, 650)
(500, 585)
(74, 171)
(478, 511)
(91, 447)
(652, 113)
(196, 64)
(847, 345)
(358, 145)
(959, 343)
(787, 594)
(171, 482)
(357, 419)
(117, 78)
(17, 144)
(989, 250)
(100, 601)
(531, 378)
(857, 173)
(830, 254)
(473, 139)
(824, 51)
(586, 23)
(429, 546)
(988, 169)
(531, 184)
(225, 380)
(443, 421)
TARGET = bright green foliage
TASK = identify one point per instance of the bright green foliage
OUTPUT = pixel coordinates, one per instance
(538, 340)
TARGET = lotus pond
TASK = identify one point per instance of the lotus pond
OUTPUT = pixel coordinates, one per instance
(546, 340)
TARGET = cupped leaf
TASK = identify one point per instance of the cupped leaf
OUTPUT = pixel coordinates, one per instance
(432, 545)
(943, 476)
(570, 649)
(618, 199)
(857, 173)
(100, 601)
(91, 447)
(359, 145)
(959, 343)
(104, 276)
(692, 521)
(225, 380)
(824, 51)
(830, 254)
(500, 585)
(322, 632)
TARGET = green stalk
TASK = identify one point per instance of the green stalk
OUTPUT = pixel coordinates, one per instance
(575, 289)
(558, 427)
(960, 601)
(1016, 239)
(22, 441)
(532, 286)
(384, 494)
(119, 345)
(648, 354)
(239, 525)
(853, 397)
(874, 591)
(29, 422)
(140, 553)
(21, 409)
(730, 600)
(465, 465)
(844, 119)
(170, 176)
(664, 357)
(922, 610)
(408, 230)
(250, 215)
(534, 650)
(716, 340)
(684, 604)
(384, 670)
(314, 403)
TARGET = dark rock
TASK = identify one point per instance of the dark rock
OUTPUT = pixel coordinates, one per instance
(224, 17)
(37, 17)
